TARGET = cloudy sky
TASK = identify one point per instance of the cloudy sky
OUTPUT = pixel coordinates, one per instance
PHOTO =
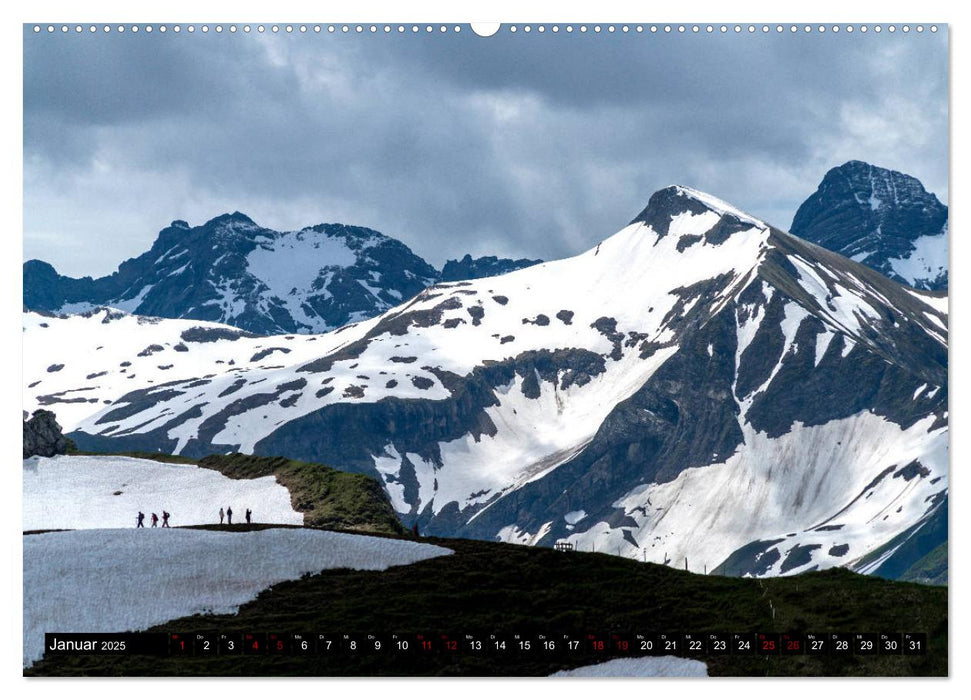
(518, 145)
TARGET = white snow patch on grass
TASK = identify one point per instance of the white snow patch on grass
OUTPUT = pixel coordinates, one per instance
(643, 667)
(128, 580)
(75, 492)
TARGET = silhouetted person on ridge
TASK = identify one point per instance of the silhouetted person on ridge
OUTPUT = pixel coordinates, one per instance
(140, 520)
(249, 514)
(165, 518)
(154, 520)
(229, 515)
(222, 515)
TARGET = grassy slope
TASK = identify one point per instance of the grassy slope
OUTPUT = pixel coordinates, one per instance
(931, 568)
(327, 497)
(489, 587)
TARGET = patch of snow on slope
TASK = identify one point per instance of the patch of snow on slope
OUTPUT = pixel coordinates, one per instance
(133, 303)
(294, 260)
(128, 580)
(511, 534)
(80, 307)
(927, 261)
(643, 667)
(574, 516)
(388, 465)
(78, 492)
(822, 345)
(939, 303)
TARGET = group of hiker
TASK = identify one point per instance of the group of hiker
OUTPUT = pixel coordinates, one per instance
(228, 515)
(223, 514)
(140, 519)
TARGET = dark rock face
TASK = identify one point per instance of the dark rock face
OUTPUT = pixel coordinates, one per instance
(469, 268)
(664, 205)
(754, 559)
(839, 550)
(798, 556)
(43, 437)
(874, 216)
(266, 352)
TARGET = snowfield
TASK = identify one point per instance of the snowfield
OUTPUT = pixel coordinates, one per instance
(644, 667)
(831, 488)
(75, 492)
(129, 580)
(927, 261)
(76, 365)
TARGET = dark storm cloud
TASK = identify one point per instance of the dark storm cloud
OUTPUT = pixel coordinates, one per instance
(533, 145)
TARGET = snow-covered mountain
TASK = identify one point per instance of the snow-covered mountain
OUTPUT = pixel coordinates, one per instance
(231, 270)
(882, 218)
(699, 389)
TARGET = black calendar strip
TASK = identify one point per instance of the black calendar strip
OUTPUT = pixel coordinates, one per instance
(589, 644)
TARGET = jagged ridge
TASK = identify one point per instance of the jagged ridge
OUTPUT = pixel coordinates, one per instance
(231, 270)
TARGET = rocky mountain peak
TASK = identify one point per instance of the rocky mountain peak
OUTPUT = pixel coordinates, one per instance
(670, 202)
(882, 218)
(667, 203)
(487, 266)
(235, 225)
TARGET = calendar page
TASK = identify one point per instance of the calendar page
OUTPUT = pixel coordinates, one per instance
(524, 349)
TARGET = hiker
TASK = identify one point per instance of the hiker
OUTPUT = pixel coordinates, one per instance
(222, 515)
(154, 520)
(140, 520)
(165, 518)
(249, 513)
(414, 529)
(229, 515)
